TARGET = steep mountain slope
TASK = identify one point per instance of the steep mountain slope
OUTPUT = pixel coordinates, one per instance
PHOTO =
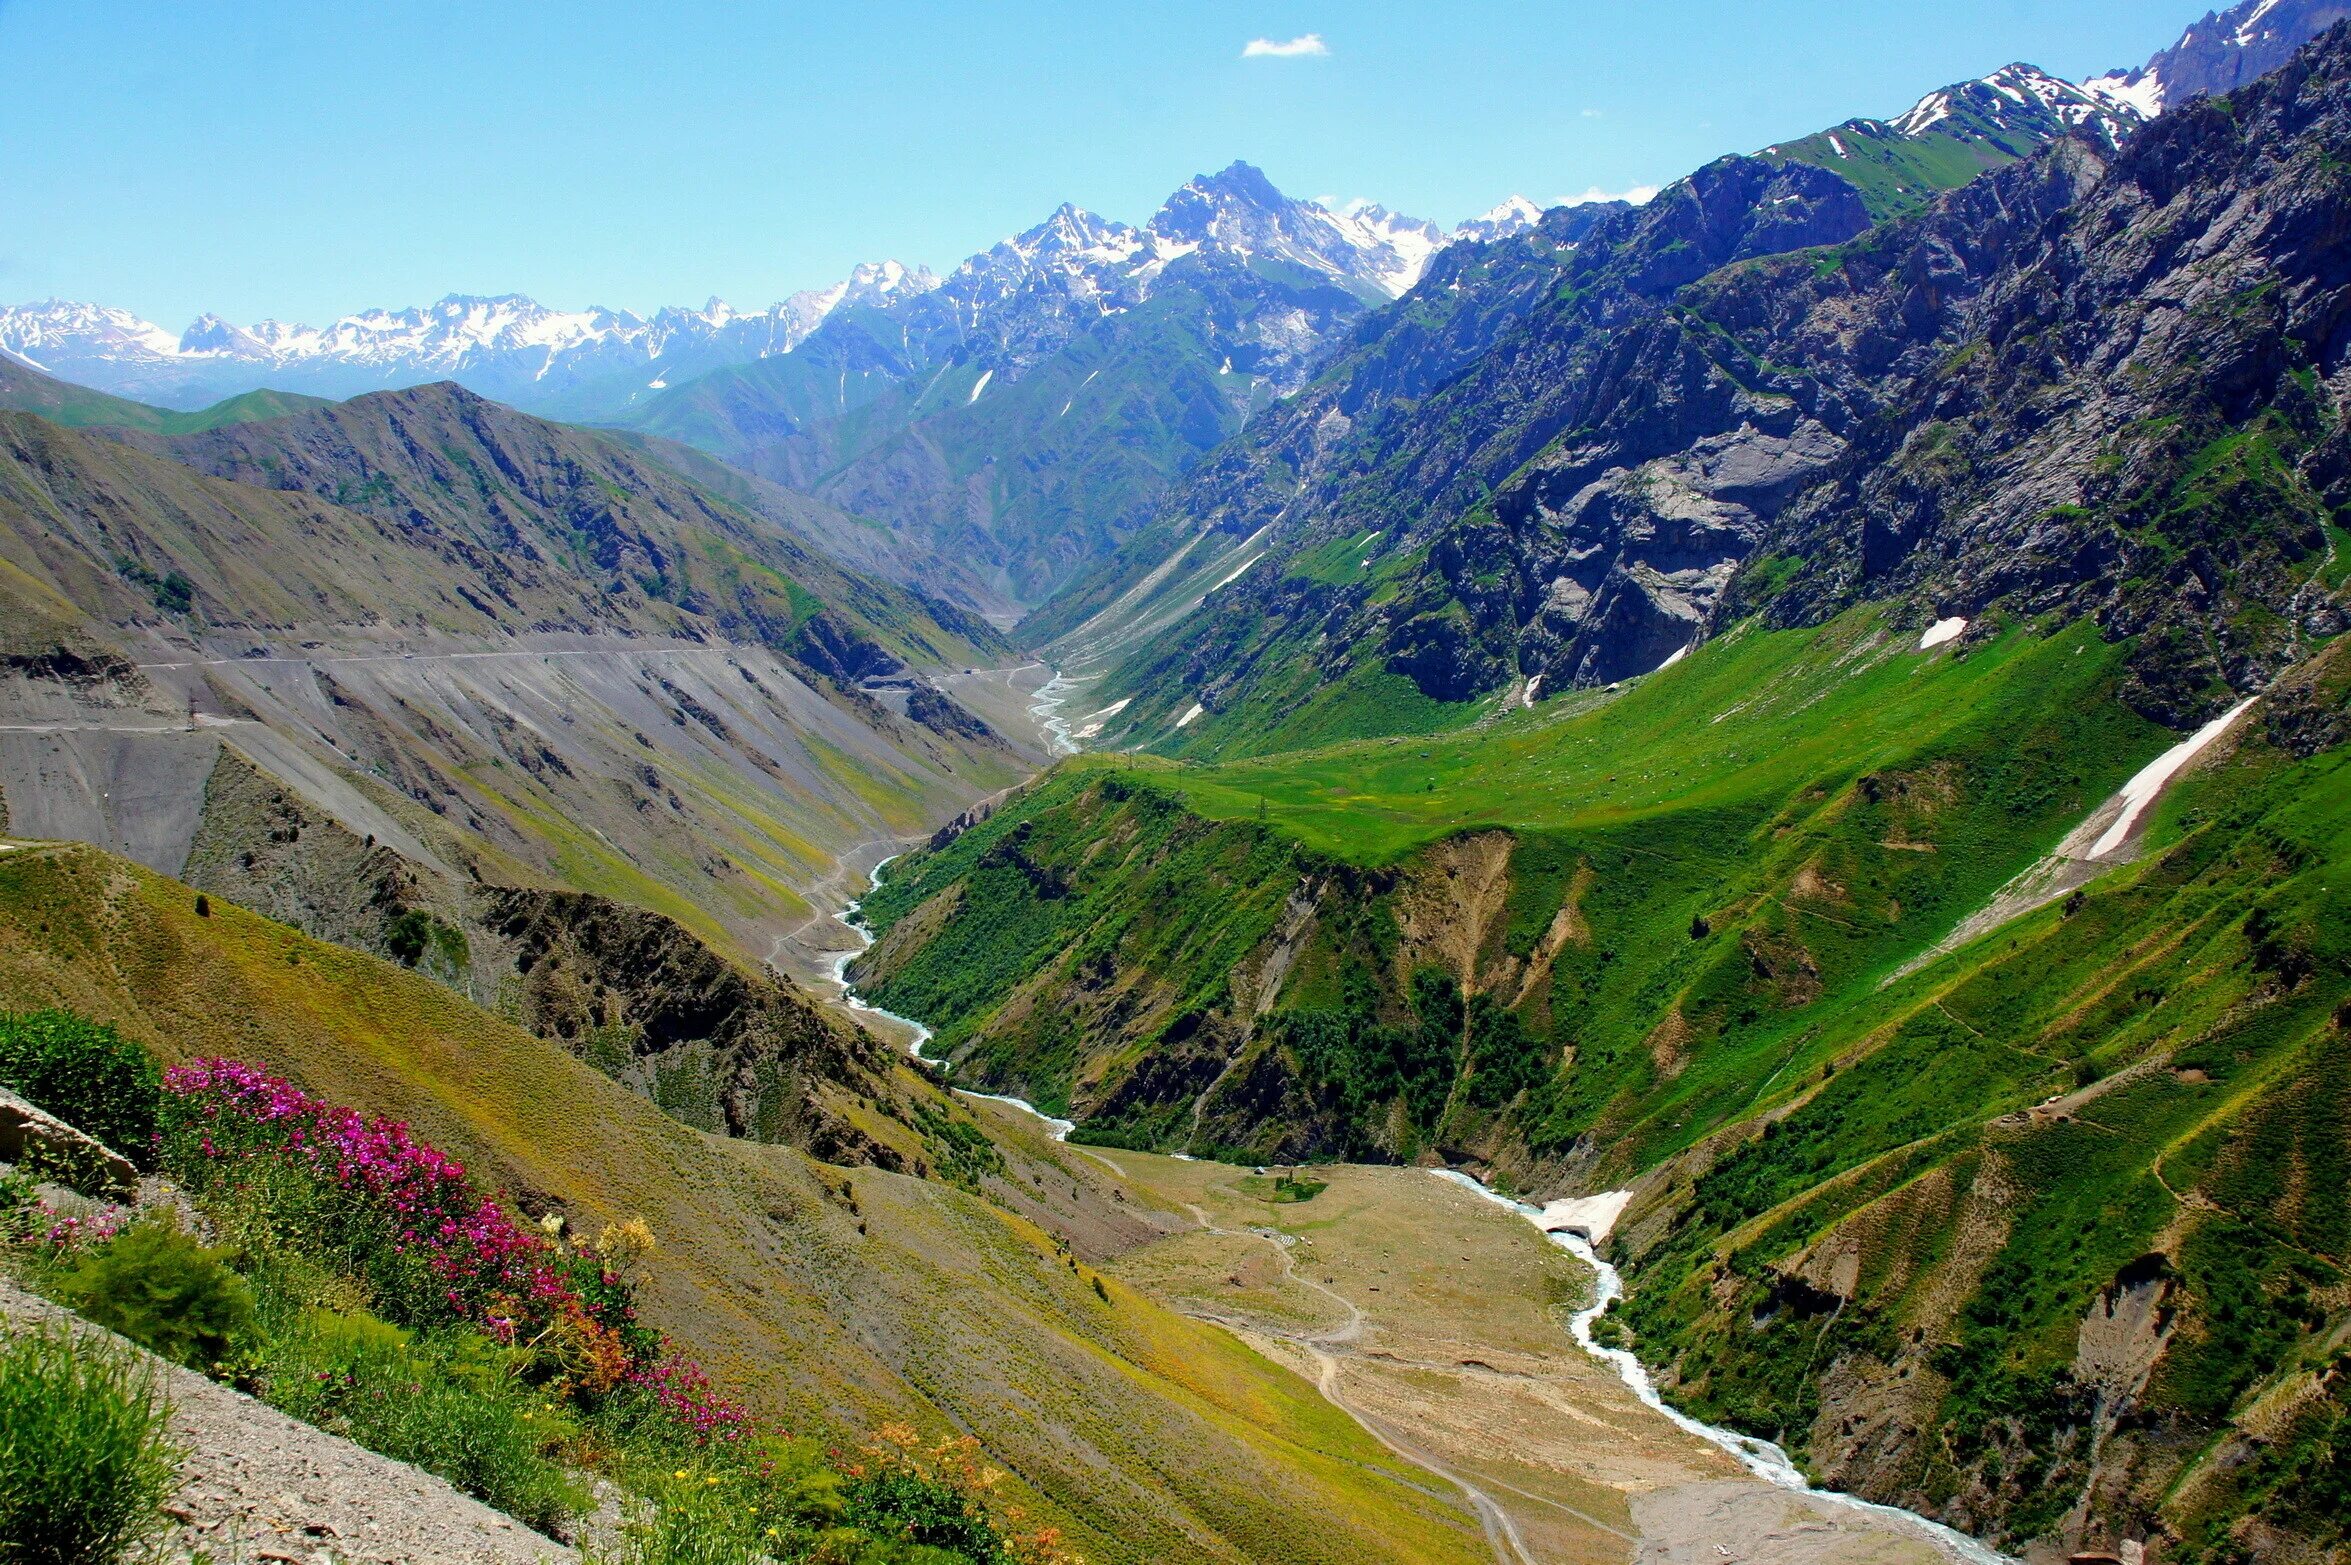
(833, 1300)
(1031, 408)
(423, 723)
(1981, 1124)
(1994, 401)
(471, 666)
(583, 363)
(536, 491)
(1949, 137)
(1444, 395)
(2219, 54)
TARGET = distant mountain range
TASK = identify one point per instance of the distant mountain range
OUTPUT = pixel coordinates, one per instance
(574, 362)
(1030, 409)
(592, 363)
(1014, 423)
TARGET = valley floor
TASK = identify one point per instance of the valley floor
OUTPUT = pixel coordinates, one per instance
(1438, 1322)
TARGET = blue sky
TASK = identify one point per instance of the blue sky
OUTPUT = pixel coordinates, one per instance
(298, 160)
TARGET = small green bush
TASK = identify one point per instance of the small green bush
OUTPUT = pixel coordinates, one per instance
(452, 1404)
(20, 1214)
(165, 1291)
(84, 1463)
(86, 1074)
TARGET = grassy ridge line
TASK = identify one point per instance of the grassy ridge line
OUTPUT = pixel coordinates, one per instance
(1146, 1435)
(1755, 715)
(1783, 817)
(79, 407)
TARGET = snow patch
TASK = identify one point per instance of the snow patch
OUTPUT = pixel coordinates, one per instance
(1235, 574)
(1191, 715)
(1941, 631)
(1590, 1215)
(2145, 788)
(1675, 658)
(2141, 92)
(1924, 115)
(979, 386)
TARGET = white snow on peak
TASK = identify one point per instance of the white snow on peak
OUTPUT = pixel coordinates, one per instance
(2263, 30)
(2139, 91)
(1513, 216)
(459, 333)
(1925, 114)
(2249, 28)
(2008, 90)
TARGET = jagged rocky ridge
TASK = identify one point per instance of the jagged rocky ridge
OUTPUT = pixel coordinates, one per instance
(1789, 386)
(576, 363)
(1031, 408)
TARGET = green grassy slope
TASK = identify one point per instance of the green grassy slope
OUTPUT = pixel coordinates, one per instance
(833, 1298)
(1658, 940)
(2084, 1183)
(1715, 790)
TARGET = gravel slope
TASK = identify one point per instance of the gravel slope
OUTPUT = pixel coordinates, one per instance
(259, 1486)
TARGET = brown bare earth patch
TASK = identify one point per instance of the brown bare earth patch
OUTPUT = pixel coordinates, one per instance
(1669, 1044)
(1453, 906)
(1567, 927)
(1438, 1322)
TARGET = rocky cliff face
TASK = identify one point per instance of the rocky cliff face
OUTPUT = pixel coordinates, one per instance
(2221, 53)
(2138, 415)
(2090, 384)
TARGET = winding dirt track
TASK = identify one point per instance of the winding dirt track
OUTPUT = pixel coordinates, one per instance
(1502, 1533)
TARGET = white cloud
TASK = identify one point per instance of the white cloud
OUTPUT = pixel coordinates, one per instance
(1638, 195)
(1592, 114)
(1285, 48)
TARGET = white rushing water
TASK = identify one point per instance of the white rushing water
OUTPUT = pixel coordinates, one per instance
(1046, 709)
(918, 1034)
(1760, 1457)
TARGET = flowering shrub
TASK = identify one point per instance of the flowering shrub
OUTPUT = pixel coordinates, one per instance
(399, 1214)
(326, 1187)
(683, 1393)
(66, 1234)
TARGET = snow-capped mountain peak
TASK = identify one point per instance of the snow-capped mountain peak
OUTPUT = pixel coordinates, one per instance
(2009, 96)
(1239, 212)
(2219, 54)
(507, 345)
(1011, 302)
(1515, 215)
